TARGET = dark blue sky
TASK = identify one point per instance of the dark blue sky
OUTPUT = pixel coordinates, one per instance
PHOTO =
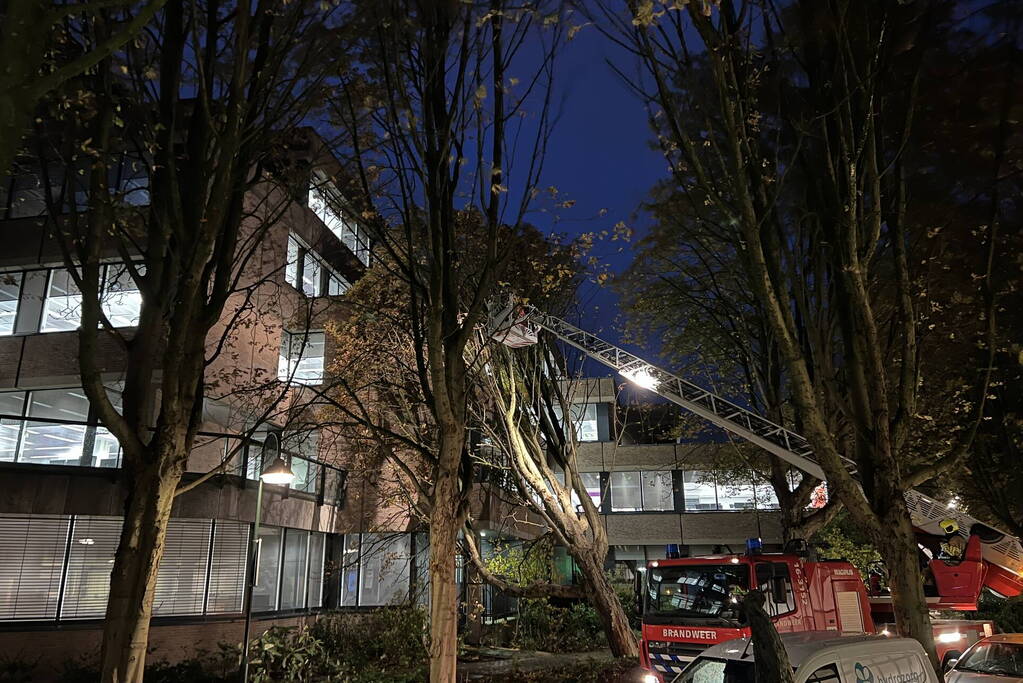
(600, 156)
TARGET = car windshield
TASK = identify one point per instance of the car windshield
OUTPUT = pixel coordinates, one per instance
(1001, 659)
(717, 671)
(709, 590)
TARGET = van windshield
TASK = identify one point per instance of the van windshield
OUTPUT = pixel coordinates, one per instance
(707, 590)
(717, 671)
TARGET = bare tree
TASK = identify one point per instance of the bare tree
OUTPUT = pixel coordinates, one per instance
(204, 107)
(525, 416)
(789, 126)
(430, 115)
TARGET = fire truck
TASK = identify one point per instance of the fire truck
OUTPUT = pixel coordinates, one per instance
(689, 604)
(692, 603)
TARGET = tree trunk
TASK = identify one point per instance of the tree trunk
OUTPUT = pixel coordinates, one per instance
(772, 661)
(445, 521)
(602, 597)
(133, 579)
(899, 549)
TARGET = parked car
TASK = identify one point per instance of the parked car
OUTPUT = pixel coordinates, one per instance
(996, 658)
(818, 657)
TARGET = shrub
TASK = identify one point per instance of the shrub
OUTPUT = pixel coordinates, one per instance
(392, 637)
(384, 645)
(15, 669)
(543, 626)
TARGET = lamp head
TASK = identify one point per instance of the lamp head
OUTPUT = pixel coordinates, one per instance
(279, 472)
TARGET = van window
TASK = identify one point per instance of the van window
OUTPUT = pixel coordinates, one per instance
(775, 604)
(825, 674)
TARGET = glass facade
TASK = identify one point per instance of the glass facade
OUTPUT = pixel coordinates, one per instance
(376, 569)
(58, 567)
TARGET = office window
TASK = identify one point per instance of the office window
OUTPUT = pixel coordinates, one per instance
(384, 569)
(51, 443)
(317, 549)
(699, 490)
(311, 275)
(294, 569)
(301, 358)
(325, 201)
(264, 595)
(91, 559)
(63, 307)
(636, 491)
(657, 491)
(626, 493)
(307, 475)
(291, 268)
(10, 292)
(181, 583)
(584, 419)
(121, 300)
(350, 571)
(33, 549)
(735, 496)
(337, 285)
(11, 403)
(767, 499)
(591, 480)
(229, 567)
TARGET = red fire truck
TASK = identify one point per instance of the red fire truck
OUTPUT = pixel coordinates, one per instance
(690, 604)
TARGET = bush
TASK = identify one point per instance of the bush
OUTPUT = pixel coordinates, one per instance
(14, 669)
(545, 627)
(392, 637)
(384, 645)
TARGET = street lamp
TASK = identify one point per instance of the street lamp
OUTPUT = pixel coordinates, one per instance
(278, 473)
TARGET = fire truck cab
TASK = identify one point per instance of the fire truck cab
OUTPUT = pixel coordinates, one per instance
(689, 604)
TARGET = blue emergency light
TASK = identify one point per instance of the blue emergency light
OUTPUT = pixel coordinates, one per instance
(671, 551)
(754, 546)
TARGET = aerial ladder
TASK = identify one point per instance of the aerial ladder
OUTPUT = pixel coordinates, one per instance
(992, 558)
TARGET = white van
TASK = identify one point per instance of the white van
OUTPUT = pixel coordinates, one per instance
(819, 657)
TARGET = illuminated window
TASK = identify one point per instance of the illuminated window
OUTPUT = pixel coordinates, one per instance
(301, 358)
(10, 292)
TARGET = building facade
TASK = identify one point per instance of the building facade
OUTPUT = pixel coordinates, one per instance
(652, 494)
(331, 539)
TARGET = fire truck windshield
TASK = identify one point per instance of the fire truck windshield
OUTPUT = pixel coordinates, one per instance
(709, 590)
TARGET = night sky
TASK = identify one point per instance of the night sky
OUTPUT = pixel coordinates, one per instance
(600, 155)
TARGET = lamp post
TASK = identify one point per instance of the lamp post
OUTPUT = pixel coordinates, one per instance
(278, 473)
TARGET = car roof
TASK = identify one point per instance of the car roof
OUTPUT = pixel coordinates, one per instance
(1005, 638)
(800, 646)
